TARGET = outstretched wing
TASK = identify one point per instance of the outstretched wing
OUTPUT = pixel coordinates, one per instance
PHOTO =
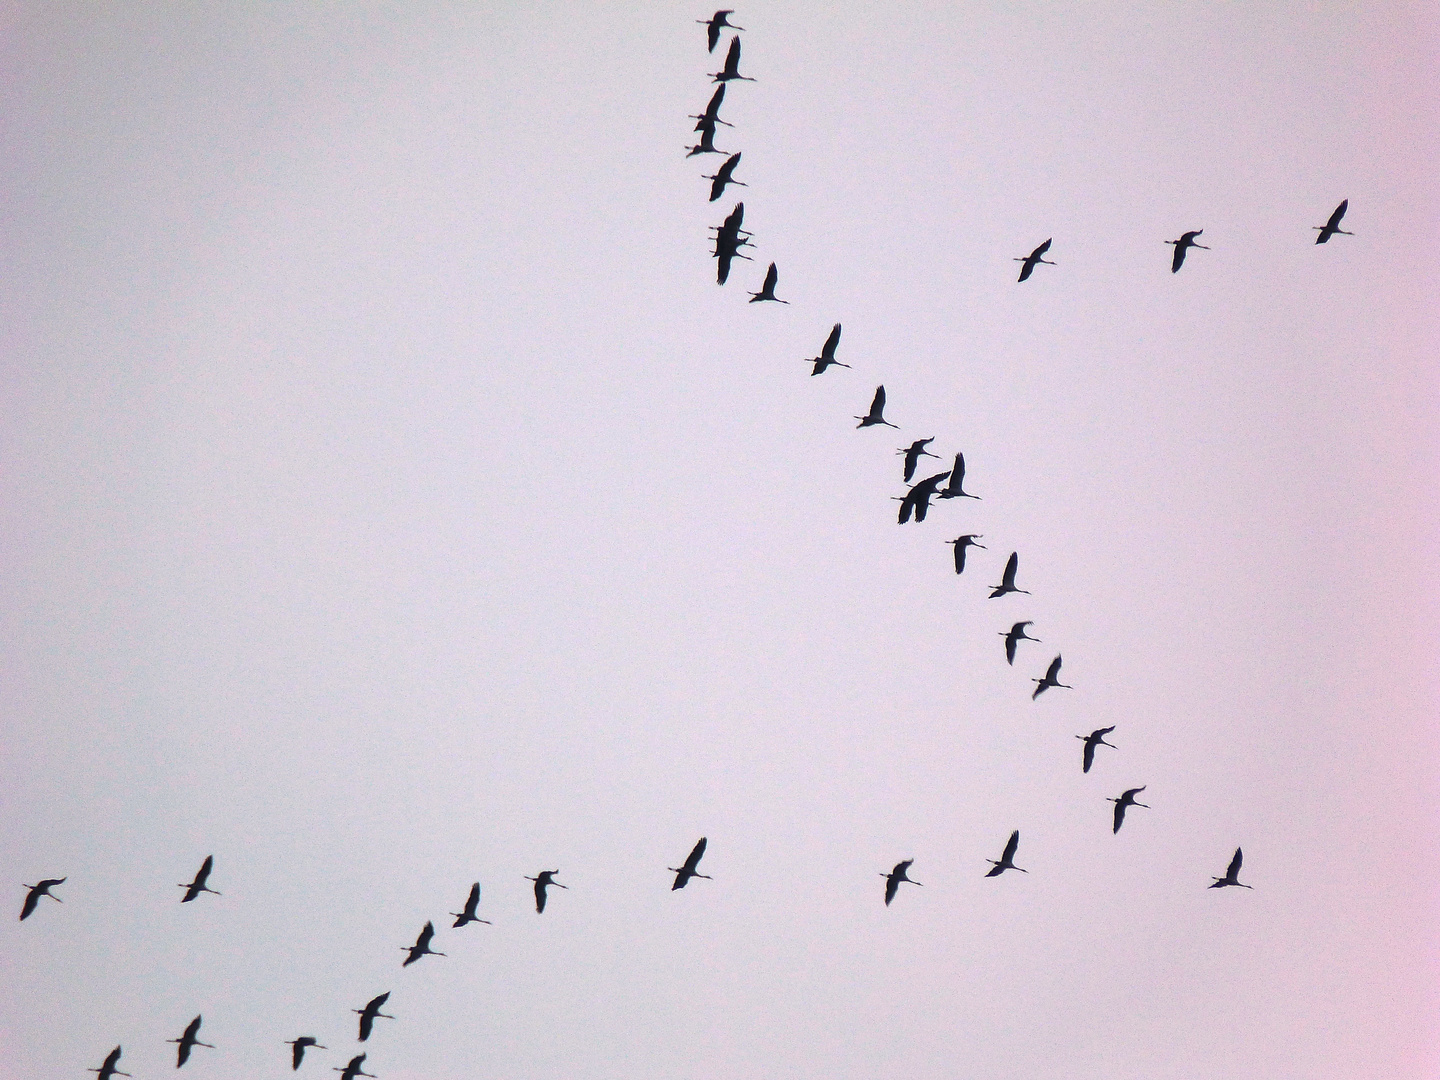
(1052, 673)
(696, 853)
(877, 406)
(831, 342)
(1234, 869)
(1010, 846)
(771, 277)
(1089, 754)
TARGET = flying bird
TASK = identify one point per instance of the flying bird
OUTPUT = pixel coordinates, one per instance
(1052, 678)
(1007, 859)
(683, 874)
(546, 878)
(730, 237)
(1186, 241)
(196, 887)
(39, 889)
(1126, 799)
(895, 877)
(369, 1014)
(956, 488)
(876, 415)
(107, 1068)
(711, 116)
(724, 175)
(732, 65)
(468, 915)
(917, 499)
(353, 1069)
(767, 291)
(716, 23)
(1014, 635)
(827, 357)
(1034, 259)
(1094, 739)
(300, 1046)
(961, 543)
(1232, 874)
(187, 1042)
(1007, 582)
(707, 142)
(421, 946)
(913, 454)
(1331, 227)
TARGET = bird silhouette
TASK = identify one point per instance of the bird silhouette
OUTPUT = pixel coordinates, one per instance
(300, 1045)
(956, 488)
(917, 499)
(683, 874)
(107, 1068)
(767, 292)
(353, 1069)
(1034, 259)
(876, 415)
(913, 453)
(711, 116)
(895, 877)
(707, 141)
(730, 237)
(39, 889)
(1331, 227)
(421, 946)
(1013, 636)
(963, 542)
(196, 887)
(827, 357)
(1232, 873)
(545, 879)
(732, 65)
(1186, 241)
(370, 1013)
(724, 175)
(187, 1042)
(1007, 858)
(716, 23)
(1052, 678)
(1007, 582)
(1126, 799)
(1094, 739)
(468, 915)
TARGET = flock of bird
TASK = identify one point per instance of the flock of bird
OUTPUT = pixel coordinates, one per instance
(730, 238)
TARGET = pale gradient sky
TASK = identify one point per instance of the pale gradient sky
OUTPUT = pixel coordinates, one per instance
(392, 499)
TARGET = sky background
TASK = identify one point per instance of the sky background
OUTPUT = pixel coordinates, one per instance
(392, 500)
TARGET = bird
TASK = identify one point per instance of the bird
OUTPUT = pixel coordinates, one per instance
(827, 357)
(1051, 679)
(716, 23)
(729, 239)
(370, 1012)
(876, 415)
(894, 878)
(963, 542)
(187, 1042)
(1331, 227)
(301, 1045)
(707, 142)
(1094, 739)
(1232, 873)
(107, 1067)
(353, 1069)
(1006, 860)
(683, 874)
(421, 946)
(724, 175)
(711, 115)
(1007, 582)
(1126, 799)
(196, 887)
(39, 889)
(767, 292)
(1034, 259)
(468, 915)
(913, 453)
(545, 878)
(732, 65)
(917, 499)
(956, 488)
(1014, 635)
(1187, 240)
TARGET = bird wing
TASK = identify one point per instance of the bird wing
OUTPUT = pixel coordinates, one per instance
(714, 35)
(192, 1029)
(831, 343)
(957, 472)
(1119, 814)
(771, 276)
(1010, 846)
(1053, 672)
(31, 899)
(1041, 250)
(473, 900)
(1334, 222)
(1010, 566)
(1178, 260)
(902, 867)
(732, 58)
(877, 405)
(1235, 864)
(716, 99)
(423, 941)
(1026, 267)
(959, 557)
(1010, 642)
(1089, 755)
(696, 854)
(907, 504)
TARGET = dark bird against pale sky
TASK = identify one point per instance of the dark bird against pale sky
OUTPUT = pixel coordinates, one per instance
(298, 1048)
(1331, 227)
(1007, 581)
(370, 1013)
(876, 415)
(956, 488)
(1034, 259)
(468, 915)
(544, 880)
(711, 116)
(1052, 678)
(1186, 241)
(1007, 858)
(1094, 739)
(717, 22)
(913, 453)
(767, 292)
(917, 499)
(1232, 874)
(188, 1041)
(107, 1068)
(353, 1069)
(683, 874)
(421, 946)
(1013, 636)
(732, 65)
(827, 357)
(196, 887)
(724, 175)
(963, 542)
(39, 889)
(1126, 799)
(895, 877)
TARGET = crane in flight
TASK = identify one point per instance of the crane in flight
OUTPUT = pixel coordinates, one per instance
(913, 453)
(1232, 873)
(1094, 739)
(730, 237)
(299, 1046)
(956, 488)
(917, 499)
(707, 142)
(711, 116)
(1007, 581)
(1034, 259)
(683, 874)
(767, 292)
(1052, 678)
(876, 415)
(895, 877)
(468, 915)
(39, 889)
(732, 65)
(196, 887)
(724, 175)
(421, 946)
(1331, 227)
(1126, 799)
(716, 23)
(542, 881)
(353, 1069)
(188, 1041)
(963, 542)
(1007, 858)
(370, 1013)
(1187, 240)
(107, 1067)
(1013, 636)
(827, 357)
